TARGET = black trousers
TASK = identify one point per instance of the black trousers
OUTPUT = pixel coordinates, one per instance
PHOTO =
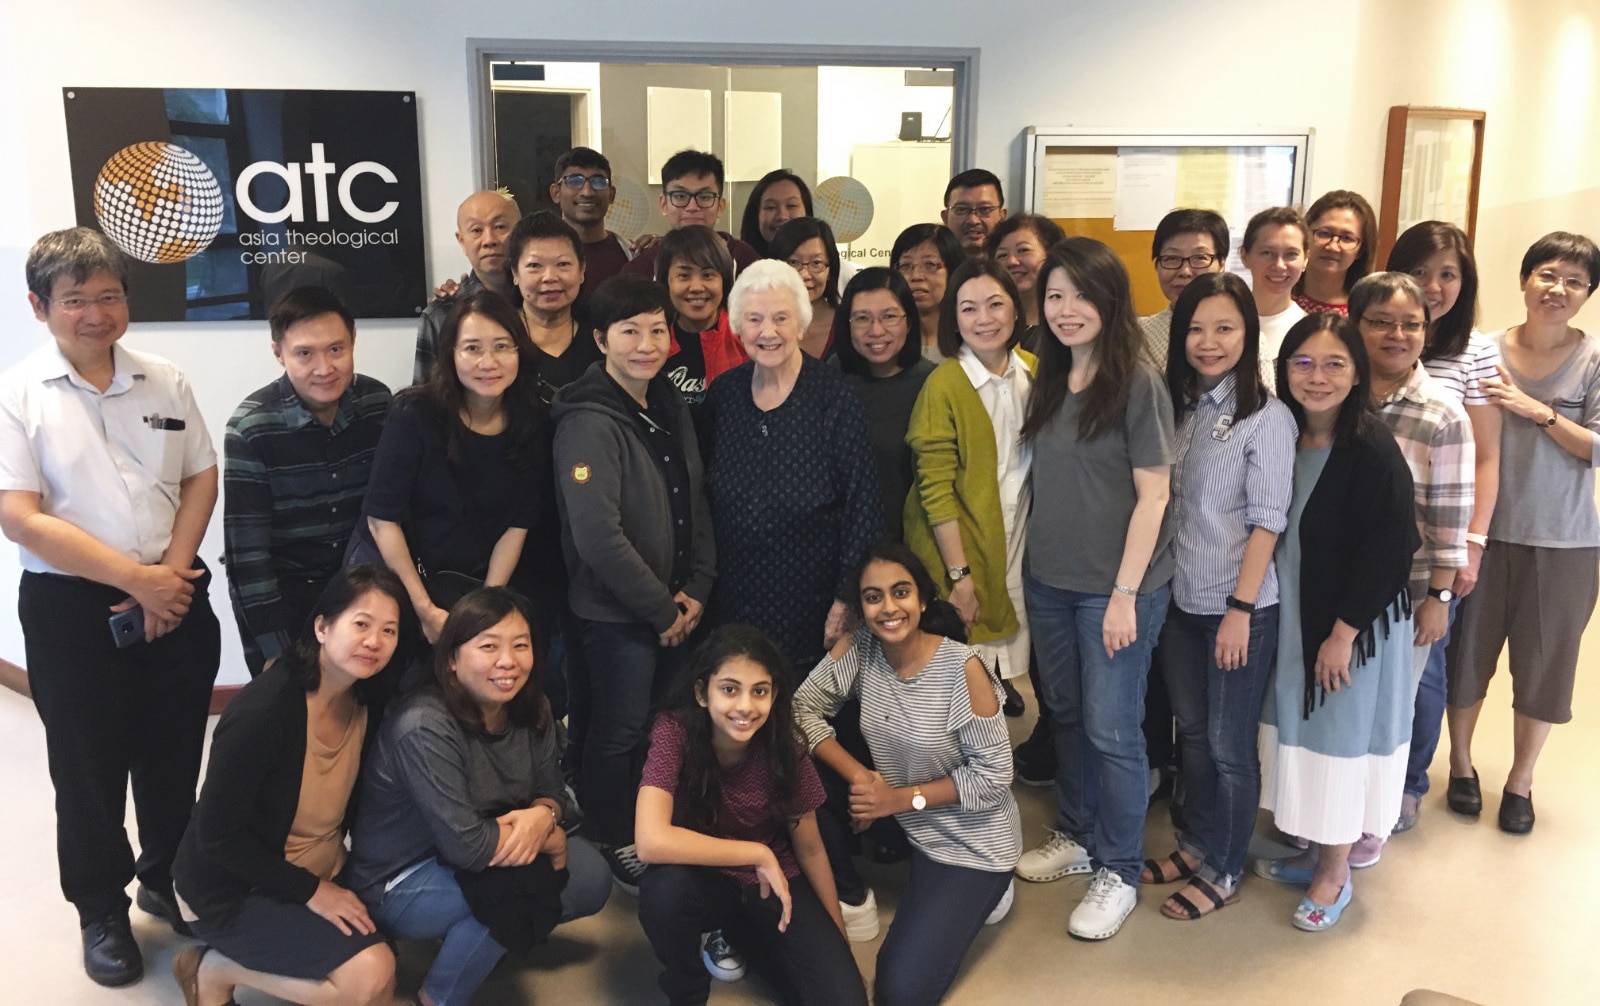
(114, 715)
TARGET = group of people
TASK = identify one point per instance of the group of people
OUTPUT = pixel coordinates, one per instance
(700, 566)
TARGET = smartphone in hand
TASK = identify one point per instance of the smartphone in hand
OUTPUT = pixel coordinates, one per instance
(127, 627)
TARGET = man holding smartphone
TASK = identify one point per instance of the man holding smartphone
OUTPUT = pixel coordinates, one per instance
(107, 482)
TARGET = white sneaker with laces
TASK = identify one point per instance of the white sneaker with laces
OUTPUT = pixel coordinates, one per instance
(861, 921)
(1099, 915)
(1004, 907)
(720, 959)
(1058, 857)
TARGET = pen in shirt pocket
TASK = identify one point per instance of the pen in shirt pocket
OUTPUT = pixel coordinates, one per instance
(156, 421)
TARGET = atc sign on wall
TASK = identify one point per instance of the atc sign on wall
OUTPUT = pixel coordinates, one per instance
(225, 199)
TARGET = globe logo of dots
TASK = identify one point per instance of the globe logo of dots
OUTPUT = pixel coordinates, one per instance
(846, 205)
(158, 202)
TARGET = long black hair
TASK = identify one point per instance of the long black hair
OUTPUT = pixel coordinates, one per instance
(1448, 334)
(303, 658)
(750, 223)
(699, 791)
(939, 617)
(1100, 276)
(479, 611)
(1356, 417)
(1183, 381)
(875, 278)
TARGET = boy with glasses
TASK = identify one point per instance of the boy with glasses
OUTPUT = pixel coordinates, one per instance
(583, 191)
(691, 196)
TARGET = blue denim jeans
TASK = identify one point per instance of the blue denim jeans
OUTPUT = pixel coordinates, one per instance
(1096, 712)
(1427, 720)
(427, 905)
(1217, 713)
(941, 912)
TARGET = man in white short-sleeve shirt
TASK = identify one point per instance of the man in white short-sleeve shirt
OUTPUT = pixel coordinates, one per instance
(107, 482)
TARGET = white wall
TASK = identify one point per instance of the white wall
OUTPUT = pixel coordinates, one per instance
(1336, 65)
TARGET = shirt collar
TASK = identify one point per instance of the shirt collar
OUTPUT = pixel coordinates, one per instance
(1222, 395)
(979, 375)
(296, 415)
(50, 364)
(1412, 389)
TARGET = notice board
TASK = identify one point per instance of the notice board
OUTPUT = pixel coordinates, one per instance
(1115, 185)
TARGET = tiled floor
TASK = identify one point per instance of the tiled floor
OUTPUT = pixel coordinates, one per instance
(1454, 906)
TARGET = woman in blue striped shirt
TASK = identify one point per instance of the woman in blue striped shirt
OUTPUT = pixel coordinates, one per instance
(931, 716)
(1231, 486)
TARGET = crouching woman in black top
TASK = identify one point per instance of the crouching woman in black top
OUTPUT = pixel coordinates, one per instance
(255, 871)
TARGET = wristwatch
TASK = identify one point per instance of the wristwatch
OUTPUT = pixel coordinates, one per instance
(1547, 423)
(957, 573)
(918, 801)
(1444, 594)
(1480, 540)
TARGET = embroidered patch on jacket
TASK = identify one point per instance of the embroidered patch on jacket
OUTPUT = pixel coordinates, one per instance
(580, 473)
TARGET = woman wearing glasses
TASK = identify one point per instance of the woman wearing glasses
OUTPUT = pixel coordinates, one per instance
(1187, 243)
(1435, 436)
(926, 255)
(1337, 718)
(1343, 229)
(463, 468)
(1537, 585)
(807, 245)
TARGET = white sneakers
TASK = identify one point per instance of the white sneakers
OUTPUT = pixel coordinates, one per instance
(1002, 909)
(1058, 857)
(861, 921)
(1101, 912)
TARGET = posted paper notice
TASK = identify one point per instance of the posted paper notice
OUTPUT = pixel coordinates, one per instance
(1080, 185)
(1147, 181)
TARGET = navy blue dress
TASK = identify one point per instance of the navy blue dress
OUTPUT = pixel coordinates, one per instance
(794, 501)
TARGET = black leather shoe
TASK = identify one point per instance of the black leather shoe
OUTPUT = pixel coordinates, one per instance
(1463, 796)
(1516, 813)
(110, 955)
(163, 906)
(1014, 706)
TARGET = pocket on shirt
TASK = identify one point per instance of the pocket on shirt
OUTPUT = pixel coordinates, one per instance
(167, 449)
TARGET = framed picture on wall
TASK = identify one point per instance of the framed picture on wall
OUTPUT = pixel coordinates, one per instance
(1431, 170)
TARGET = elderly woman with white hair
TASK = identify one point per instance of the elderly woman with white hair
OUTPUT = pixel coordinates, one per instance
(793, 483)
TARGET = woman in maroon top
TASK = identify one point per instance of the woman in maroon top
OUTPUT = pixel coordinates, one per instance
(1343, 232)
(727, 819)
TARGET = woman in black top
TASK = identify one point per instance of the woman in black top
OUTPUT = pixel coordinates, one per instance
(544, 263)
(255, 871)
(463, 468)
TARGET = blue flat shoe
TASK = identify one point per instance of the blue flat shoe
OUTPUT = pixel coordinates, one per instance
(1314, 918)
(1283, 873)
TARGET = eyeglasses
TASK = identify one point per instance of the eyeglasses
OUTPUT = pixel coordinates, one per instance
(1408, 327)
(1333, 366)
(704, 198)
(1201, 260)
(475, 352)
(982, 211)
(888, 319)
(815, 267)
(577, 181)
(1329, 236)
(105, 302)
(1552, 280)
(908, 268)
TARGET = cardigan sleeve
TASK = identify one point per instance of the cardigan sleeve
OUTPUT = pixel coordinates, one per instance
(1385, 533)
(933, 437)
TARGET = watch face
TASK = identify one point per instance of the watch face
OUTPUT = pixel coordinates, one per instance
(1446, 595)
(918, 802)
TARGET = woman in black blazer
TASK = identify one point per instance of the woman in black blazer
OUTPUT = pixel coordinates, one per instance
(255, 871)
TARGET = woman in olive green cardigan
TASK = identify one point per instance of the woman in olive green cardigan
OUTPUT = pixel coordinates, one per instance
(967, 511)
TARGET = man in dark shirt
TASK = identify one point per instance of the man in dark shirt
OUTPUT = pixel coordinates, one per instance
(483, 222)
(691, 194)
(297, 456)
(584, 193)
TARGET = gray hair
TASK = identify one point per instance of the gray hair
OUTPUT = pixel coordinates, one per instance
(760, 277)
(78, 252)
(1381, 287)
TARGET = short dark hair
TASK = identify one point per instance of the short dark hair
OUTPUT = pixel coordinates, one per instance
(750, 223)
(797, 232)
(692, 162)
(700, 247)
(1047, 231)
(303, 659)
(971, 179)
(942, 238)
(1276, 216)
(1447, 334)
(1356, 410)
(1192, 221)
(78, 252)
(478, 611)
(1378, 287)
(875, 278)
(1563, 246)
(1183, 382)
(622, 297)
(304, 303)
(1344, 199)
(540, 225)
(582, 157)
(971, 269)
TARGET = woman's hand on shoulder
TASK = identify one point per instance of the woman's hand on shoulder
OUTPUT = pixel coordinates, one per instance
(837, 625)
(842, 646)
(340, 906)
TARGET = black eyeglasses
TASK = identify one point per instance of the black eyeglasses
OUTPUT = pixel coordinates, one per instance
(705, 198)
(1200, 261)
(576, 182)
